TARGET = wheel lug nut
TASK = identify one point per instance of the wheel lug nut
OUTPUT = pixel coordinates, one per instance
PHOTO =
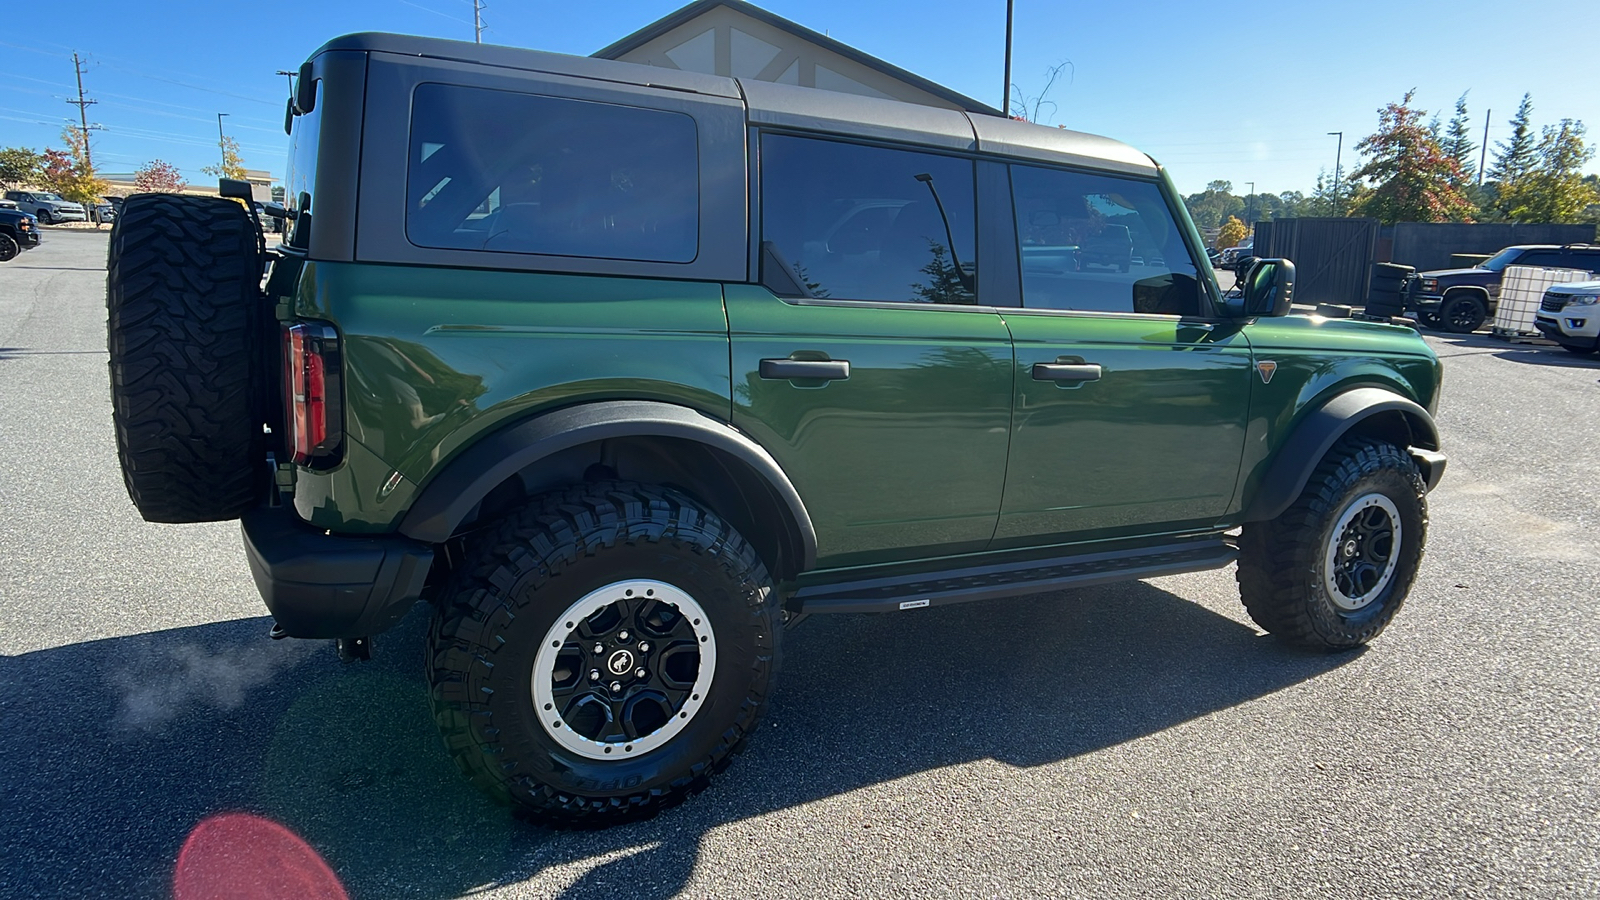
(616, 686)
(599, 648)
(623, 636)
(644, 646)
(639, 673)
(594, 674)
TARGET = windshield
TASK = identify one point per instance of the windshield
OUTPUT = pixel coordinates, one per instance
(1502, 259)
(45, 195)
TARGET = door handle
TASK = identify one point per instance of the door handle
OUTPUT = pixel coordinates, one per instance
(797, 369)
(1066, 372)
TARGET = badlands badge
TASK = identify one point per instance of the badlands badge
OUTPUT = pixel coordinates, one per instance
(1266, 367)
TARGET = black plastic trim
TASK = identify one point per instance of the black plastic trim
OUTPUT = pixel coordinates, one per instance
(450, 496)
(320, 585)
(1319, 431)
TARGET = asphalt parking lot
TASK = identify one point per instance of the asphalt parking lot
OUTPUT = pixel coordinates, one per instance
(1133, 740)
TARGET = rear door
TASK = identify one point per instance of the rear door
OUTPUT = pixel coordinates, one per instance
(1131, 398)
(880, 383)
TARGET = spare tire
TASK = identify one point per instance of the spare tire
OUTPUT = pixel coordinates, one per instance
(183, 279)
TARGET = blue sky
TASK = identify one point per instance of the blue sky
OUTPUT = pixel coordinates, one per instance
(1242, 92)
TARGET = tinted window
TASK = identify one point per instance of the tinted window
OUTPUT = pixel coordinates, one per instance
(1548, 258)
(495, 170)
(1095, 242)
(865, 223)
(1588, 260)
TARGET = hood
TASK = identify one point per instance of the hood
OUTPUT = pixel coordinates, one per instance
(1571, 288)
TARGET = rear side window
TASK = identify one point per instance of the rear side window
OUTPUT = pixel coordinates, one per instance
(522, 173)
(865, 223)
(1102, 243)
(1550, 259)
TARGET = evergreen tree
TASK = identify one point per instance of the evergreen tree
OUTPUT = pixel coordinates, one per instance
(1555, 190)
(1413, 180)
(1516, 157)
(1458, 143)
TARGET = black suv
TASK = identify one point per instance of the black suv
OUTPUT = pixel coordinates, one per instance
(1459, 300)
(19, 231)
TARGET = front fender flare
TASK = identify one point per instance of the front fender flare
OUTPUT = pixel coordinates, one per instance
(451, 495)
(1321, 428)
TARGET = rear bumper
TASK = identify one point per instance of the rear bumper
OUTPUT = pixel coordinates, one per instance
(320, 585)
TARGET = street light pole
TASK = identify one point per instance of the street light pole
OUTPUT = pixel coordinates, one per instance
(1338, 156)
(1250, 207)
(1005, 98)
(222, 145)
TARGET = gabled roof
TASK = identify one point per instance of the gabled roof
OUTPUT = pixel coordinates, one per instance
(700, 7)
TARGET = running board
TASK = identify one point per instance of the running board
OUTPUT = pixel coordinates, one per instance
(1037, 576)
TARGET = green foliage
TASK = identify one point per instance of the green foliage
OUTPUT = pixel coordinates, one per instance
(19, 167)
(1554, 190)
(1212, 206)
(1412, 178)
(232, 165)
(159, 177)
(1458, 144)
(1515, 158)
(68, 173)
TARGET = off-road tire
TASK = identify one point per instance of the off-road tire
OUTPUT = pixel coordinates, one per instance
(9, 248)
(1282, 562)
(518, 576)
(185, 322)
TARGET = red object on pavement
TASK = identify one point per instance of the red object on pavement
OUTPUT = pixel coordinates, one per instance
(240, 856)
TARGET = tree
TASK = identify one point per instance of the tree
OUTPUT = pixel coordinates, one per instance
(68, 173)
(1458, 143)
(1214, 204)
(19, 167)
(159, 177)
(1413, 180)
(232, 166)
(1555, 190)
(1516, 157)
(1233, 231)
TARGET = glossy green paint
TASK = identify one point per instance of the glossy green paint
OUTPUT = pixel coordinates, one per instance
(1315, 359)
(435, 358)
(907, 456)
(1152, 446)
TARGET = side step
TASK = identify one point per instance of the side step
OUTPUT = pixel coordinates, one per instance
(1013, 579)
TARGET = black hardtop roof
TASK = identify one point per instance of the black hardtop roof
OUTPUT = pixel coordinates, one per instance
(788, 106)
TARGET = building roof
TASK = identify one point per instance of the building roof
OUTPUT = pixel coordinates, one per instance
(700, 7)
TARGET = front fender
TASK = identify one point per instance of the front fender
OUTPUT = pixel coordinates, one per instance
(1378, 409)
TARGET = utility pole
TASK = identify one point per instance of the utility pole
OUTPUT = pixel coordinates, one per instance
(1249, 207)
(1005, 98)
(82, 103)
(477, 20)
(222, 145)
(1483, 151)
(1338, 156)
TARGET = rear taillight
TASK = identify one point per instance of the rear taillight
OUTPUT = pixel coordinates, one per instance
(311, 389)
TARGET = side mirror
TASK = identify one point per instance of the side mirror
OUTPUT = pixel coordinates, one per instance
(305, 89)
(1266, 288)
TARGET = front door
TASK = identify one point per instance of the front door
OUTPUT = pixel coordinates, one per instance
(880, 385)
(1131, 400)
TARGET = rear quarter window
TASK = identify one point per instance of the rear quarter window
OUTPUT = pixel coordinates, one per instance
(509, 172)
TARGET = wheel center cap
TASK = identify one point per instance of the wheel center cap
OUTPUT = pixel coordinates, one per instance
(620, 662)
(1349, 549)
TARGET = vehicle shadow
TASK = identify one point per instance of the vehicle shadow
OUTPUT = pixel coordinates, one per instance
(114, 750)
(1532, 354)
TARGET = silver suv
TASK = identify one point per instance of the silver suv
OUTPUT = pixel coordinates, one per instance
(48, 208)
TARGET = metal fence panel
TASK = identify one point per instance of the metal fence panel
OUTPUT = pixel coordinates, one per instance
(1429, 245)
(1331, 256)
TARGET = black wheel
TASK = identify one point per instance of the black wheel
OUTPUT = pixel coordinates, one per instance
(1332, 570)
(45, 216)
(601, 653)
(185, 319)
(1462, 314)
(1430, 320)
(9, 248)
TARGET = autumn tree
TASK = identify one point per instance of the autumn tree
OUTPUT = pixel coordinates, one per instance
(1412, 178)
(68, 172)
(232, 165)
(1232, 232)
(19, 167)
(159, 177)
(1554, 190)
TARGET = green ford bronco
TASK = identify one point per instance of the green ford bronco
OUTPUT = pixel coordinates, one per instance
(625, 369)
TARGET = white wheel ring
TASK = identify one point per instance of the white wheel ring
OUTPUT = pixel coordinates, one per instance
(1330, 558)
(561, 631)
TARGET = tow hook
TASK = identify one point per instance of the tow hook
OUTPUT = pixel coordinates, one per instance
(353, 649)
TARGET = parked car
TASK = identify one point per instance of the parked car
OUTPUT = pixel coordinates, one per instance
(1569, 314)
(1461, 300)
(1110, 245)
(19, 231)
(1214, 255)
(48, 208)
(620, 434)
(1232, 255)
(104, 212)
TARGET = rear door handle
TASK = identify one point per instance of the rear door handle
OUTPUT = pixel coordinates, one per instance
(797, 369)
(1066, 372)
